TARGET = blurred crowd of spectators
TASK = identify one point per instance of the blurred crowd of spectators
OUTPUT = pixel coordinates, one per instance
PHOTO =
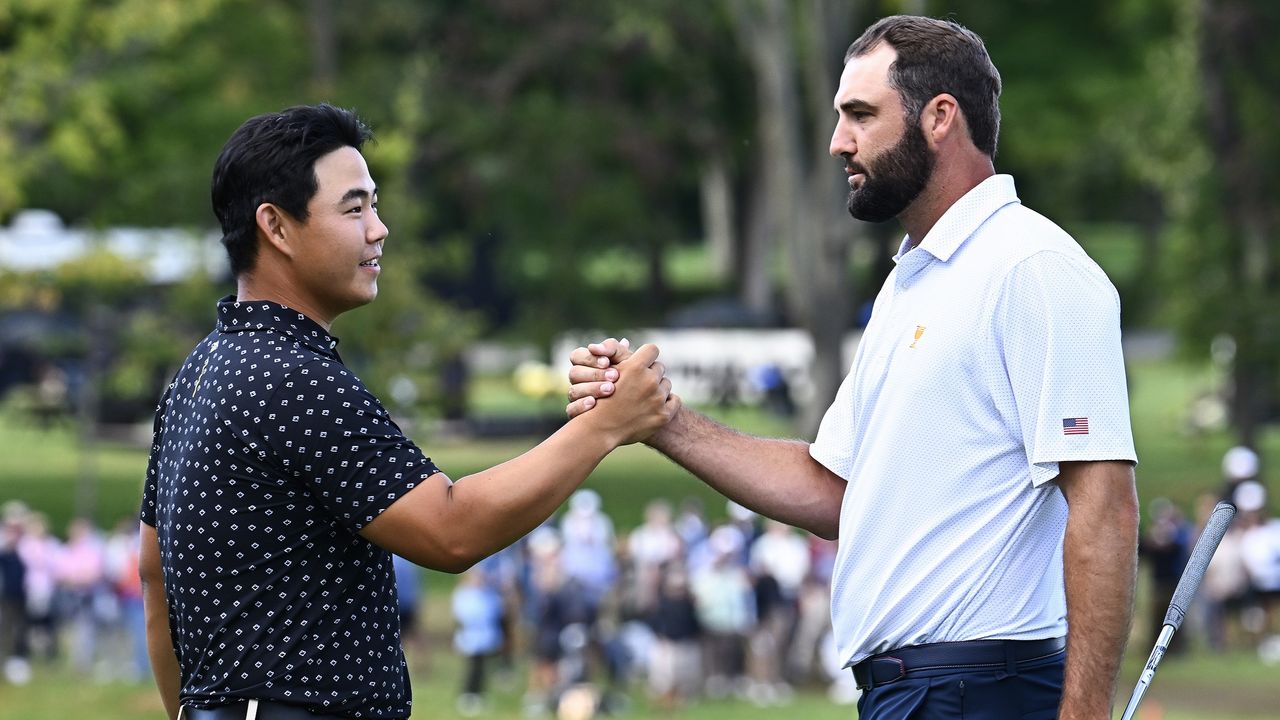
(739, 609)
(680, 607)
(80, 595)
(1239, 598)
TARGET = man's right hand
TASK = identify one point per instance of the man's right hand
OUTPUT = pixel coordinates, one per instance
(593, 373)
(639, 399)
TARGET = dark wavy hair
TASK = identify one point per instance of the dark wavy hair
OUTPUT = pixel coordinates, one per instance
(935, 57)
(271, 158)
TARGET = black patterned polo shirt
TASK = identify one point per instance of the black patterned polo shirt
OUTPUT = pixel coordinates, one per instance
(268, 457)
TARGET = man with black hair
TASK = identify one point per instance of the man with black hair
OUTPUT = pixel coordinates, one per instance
(278, 486)
(977, 463)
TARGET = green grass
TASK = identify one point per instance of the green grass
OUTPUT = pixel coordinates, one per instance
(44, 469)
(49, 470)
(1200, 687)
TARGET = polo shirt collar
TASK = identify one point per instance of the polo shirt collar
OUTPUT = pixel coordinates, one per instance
(963, 218)
(234, 317)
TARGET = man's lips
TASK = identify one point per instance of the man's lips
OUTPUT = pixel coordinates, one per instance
(857, 175)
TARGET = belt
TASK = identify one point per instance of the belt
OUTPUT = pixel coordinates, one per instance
(970, 655)
(254, 710)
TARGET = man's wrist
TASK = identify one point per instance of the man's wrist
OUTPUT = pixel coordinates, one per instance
(663, 440)
(1086, 703)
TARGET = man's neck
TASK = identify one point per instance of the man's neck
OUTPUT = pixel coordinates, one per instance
(250, 286)
(949, 183)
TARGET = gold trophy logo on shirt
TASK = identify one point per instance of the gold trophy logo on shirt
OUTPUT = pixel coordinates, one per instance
(919, 332)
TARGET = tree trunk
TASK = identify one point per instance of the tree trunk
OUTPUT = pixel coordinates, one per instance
(324, 48)
(717, 216)
(796, 50)
(1230, 72)
(88, 407)
(764, 29)
(829, 229)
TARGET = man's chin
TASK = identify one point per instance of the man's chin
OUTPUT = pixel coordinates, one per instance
(866, 213)
(359, 299)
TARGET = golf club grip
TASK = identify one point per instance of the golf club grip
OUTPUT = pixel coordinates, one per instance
(1214, 529)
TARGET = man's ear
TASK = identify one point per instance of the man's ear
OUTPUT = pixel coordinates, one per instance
(275, 225)
(941, 119)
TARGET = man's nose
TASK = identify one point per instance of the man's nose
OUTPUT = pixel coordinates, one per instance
(841, 143)
(378, 231)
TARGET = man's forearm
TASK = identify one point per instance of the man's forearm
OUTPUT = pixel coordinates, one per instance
(777, 478)
(164, 664)
(1099, 567)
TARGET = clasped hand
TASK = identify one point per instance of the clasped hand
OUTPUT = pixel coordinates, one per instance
(601, 374)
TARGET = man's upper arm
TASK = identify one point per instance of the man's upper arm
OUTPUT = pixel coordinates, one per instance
(147, 511)
(407, 527)
(1057, 322)
(1104, 483)
(150, 567)
(332, 435)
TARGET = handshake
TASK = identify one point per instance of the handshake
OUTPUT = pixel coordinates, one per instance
(627, 391)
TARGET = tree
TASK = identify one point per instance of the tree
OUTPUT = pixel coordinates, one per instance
(796, 50)
(1225, 233)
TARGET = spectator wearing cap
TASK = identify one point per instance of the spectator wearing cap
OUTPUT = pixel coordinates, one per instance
(675, 661)
(41, 554)
(477, 611)
(650, 547)
(1239, 464)
(13, 601)
(543, 613)
(1260, 550)
(779, 562)
(1225, 587)
(587, 554)
(1165, 546)
(725, 601)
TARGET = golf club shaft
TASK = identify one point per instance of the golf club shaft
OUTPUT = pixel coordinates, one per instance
(1214, 529)
(1149, 671)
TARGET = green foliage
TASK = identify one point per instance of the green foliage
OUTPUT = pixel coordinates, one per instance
(541, 135)
(543, 158)
(63, 70)
(1208, 146)
(406, 334)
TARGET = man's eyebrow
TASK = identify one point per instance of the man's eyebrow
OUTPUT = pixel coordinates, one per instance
(357, 194)
(855, 105)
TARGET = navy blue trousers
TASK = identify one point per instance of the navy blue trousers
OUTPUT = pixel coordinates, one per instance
(1032, 693)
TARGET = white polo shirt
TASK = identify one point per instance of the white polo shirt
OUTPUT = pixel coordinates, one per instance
(993, 353)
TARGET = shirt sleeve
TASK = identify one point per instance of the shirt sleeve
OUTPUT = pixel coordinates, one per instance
(1057, 326)
(833, 446)
(147, 513)
(330, 433)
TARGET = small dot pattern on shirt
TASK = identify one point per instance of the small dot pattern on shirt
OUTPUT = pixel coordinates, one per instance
(268, 457)
(948, 429)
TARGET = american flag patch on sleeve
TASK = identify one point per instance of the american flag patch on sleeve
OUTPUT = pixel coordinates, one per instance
(1075, 426)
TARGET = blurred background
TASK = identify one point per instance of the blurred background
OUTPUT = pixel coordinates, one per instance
(556, 172)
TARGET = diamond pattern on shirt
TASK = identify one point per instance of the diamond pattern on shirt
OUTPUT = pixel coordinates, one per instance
(268, 457)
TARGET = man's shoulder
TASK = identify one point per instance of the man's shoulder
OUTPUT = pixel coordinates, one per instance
(316, 370)
(265, 354)
(1018, 231)
(1017, 234)
(325, 384)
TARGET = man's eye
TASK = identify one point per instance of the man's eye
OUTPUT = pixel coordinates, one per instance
(355, 209)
